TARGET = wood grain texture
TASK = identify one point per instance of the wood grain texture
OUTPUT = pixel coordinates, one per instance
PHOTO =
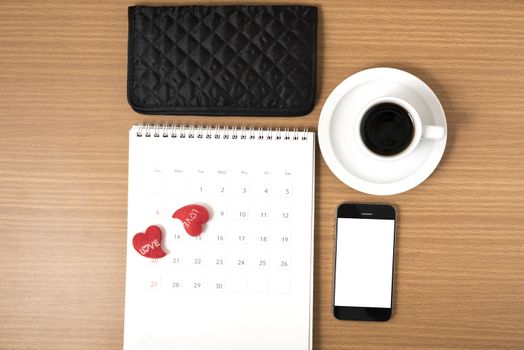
(63, 175)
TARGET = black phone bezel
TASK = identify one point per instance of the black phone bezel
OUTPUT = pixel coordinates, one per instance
(364, 211)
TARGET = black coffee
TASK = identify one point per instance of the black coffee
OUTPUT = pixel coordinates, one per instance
(386, 129)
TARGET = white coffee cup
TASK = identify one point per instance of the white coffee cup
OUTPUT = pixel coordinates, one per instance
(420, 130)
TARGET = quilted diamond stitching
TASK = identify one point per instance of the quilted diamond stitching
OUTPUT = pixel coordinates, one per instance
(231, 56)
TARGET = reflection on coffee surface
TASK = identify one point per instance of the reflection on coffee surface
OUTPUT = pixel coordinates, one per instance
(386, 129)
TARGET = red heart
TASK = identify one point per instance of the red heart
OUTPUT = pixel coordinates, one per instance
(193, 217)
(149, 244)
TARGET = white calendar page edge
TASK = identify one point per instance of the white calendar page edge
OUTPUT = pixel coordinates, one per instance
(312, 254)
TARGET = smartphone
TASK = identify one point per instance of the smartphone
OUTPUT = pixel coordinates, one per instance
(364, 262)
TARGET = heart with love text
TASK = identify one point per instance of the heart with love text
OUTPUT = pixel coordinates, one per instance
(149, 244)
(192, 217)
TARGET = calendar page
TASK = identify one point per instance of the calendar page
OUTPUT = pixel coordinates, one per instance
(246, 281)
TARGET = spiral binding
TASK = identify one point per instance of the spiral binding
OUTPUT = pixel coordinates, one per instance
(218, 132)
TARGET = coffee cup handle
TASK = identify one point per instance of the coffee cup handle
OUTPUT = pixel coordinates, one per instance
(433, 132)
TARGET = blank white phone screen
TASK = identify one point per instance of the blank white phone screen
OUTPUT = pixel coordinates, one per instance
(364, 262)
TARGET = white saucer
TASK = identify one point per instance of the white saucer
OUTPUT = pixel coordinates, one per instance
(337, 141)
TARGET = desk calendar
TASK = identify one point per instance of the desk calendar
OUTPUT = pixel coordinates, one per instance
(246, 282)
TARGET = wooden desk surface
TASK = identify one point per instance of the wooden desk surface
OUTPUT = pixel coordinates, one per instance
(63, 176)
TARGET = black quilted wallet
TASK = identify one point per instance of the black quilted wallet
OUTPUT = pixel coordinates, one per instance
(222, 60)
